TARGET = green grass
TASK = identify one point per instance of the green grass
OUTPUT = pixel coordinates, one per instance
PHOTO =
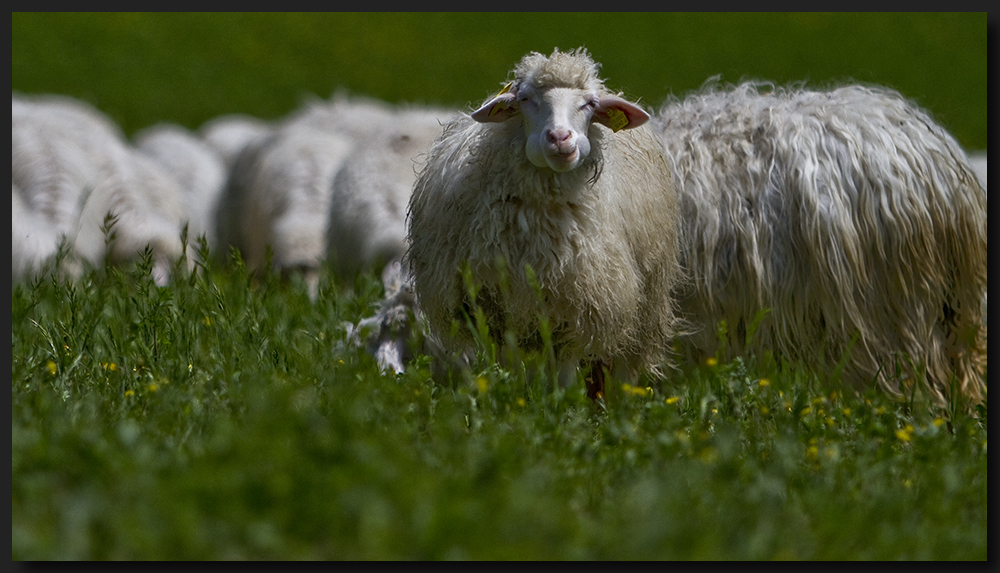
(223, 417)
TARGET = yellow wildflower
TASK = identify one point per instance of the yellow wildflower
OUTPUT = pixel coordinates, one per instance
(129, 393)
(711, 361)
(905, 434)
(520, 402)
(763, 382)
(482, 383)
(673, 400)
(51, 366)
(152, 387)
(637, 390)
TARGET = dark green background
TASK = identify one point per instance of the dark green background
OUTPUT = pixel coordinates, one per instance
(188, 67)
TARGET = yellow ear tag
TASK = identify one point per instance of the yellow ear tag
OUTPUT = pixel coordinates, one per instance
(616, 119)
(505, 89)
(500, 106)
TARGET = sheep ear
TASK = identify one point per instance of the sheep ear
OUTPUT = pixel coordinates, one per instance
(499, 109)
(619, 114)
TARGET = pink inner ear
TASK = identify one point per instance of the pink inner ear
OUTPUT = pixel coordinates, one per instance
(499, 109)
(635, 115)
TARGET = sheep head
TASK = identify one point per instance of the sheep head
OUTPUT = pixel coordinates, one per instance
(557, 99)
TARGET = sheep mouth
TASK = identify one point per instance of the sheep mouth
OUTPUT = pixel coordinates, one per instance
(563, 160)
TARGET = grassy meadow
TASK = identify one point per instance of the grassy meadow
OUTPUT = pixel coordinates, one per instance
(230, 417)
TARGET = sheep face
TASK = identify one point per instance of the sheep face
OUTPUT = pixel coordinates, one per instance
(557, 120)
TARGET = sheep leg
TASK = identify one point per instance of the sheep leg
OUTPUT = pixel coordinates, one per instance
(595, 381)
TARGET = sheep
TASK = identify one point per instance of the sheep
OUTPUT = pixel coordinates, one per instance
(198, 168)
(367, 220)
(556, 180)
(73, 168)
(278, 197)
(846, 221)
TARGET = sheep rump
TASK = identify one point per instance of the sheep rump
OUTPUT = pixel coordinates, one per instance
(851, 217)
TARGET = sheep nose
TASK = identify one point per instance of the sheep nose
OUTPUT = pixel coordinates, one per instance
(557, 135)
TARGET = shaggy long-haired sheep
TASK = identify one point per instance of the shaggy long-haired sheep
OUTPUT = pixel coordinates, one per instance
(847, 222)
(556, 179)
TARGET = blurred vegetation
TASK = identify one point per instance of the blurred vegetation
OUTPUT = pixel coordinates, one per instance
(142, 68)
